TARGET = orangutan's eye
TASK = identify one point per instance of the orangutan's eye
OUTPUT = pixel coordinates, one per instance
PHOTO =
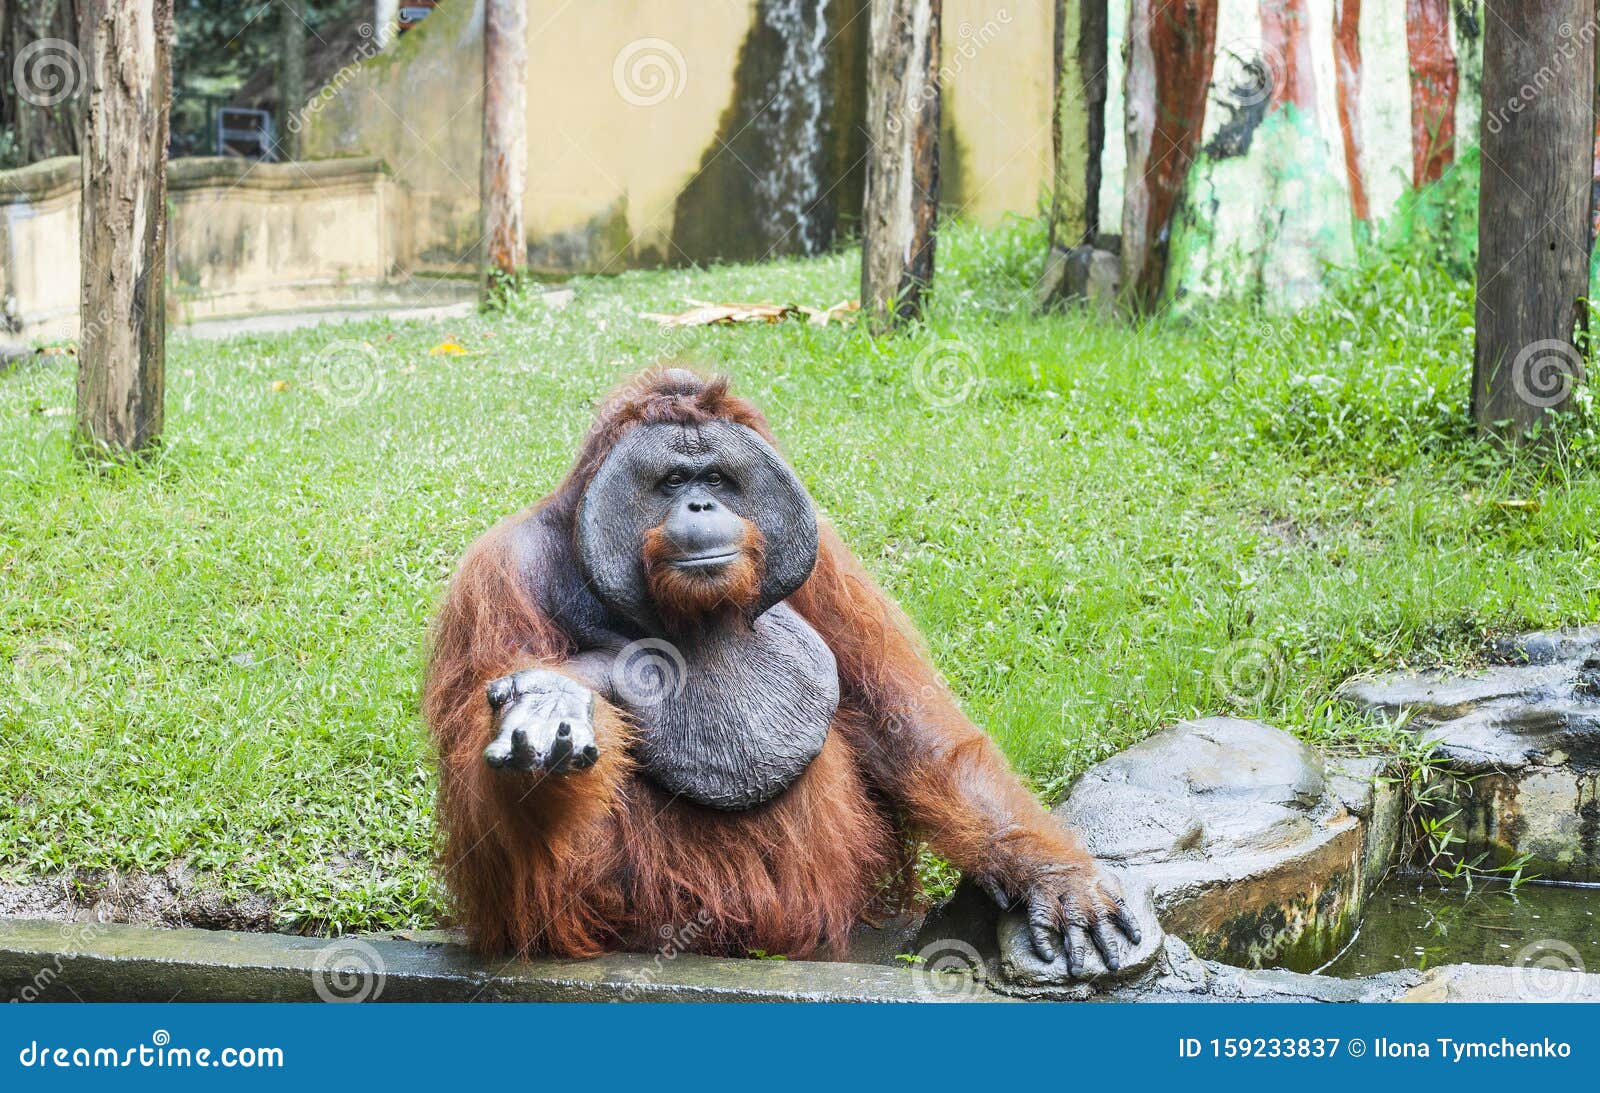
(673, 480)
(714, 479)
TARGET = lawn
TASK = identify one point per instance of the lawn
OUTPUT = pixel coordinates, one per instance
(214, 660)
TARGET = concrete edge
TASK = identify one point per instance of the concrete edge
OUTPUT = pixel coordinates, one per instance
(92, 962)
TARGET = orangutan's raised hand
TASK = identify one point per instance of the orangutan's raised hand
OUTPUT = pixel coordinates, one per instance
(544, 721)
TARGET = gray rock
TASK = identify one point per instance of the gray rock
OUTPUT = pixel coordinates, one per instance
(1525, 736)
(1549, 646)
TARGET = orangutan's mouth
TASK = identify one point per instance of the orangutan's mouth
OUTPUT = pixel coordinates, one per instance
(707, 561)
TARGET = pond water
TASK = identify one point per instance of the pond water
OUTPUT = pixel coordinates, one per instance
(1411, 922)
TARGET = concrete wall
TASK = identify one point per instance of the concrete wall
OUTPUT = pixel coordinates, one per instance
(244, 238)
(681, 130)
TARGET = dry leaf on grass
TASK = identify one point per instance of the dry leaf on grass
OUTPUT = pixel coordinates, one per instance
(705, 314)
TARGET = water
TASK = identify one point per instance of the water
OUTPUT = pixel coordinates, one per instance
(792, 123)
(1408, 924)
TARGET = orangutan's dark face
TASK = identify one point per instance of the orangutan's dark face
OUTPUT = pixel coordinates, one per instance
(680, 523)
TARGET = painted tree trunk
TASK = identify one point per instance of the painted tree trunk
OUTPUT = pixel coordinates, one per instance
(1286, 35)
(1347, 94)
(505, 136)
(291, 76)
(1533, 210)
(1171, 45)
(901, 206)
(1433, 89)
(123, 314)
(1080, 121)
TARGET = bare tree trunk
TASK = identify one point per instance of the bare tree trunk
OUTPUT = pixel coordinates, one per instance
(505, 137)
(123, 304)
(291, 76)
(1537, 144)
(901, 207)
(1171, 46)
(1079, 123)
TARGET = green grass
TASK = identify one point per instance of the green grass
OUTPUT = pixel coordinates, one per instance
(215, 658)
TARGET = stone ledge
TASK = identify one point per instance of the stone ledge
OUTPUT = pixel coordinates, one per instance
(104, 963)
(52, 961)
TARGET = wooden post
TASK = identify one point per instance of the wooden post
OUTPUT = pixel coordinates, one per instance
(1171, 47)
(1079, 127)
(123, 303)
(1080, 121)
(505, 139)
(1536, 145)
(291, 76)
(901, 207)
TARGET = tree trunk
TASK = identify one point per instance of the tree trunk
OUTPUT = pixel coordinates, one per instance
(1347, 95)
(1080, 121)
(1171, 47)
(1536, 145)
(122, 307)
(1079, 126)
(505, 137)
(291, 76)
(901, 206)
(1431, 54)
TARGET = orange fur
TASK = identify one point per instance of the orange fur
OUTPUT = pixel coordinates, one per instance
(687, 599)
